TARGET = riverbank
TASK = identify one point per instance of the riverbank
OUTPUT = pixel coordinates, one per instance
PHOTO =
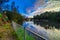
(7, 32)
(21, 33)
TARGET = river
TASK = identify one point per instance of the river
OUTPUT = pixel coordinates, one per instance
(49, 34)
(36, 28)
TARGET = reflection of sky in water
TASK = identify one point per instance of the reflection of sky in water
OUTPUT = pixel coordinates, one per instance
(36, 29)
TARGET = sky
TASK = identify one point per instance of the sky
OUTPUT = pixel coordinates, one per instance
(52, 5)
(26, 7)
(31, 7)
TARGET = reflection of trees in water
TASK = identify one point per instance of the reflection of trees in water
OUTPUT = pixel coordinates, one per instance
(48, 24)
(48, 19)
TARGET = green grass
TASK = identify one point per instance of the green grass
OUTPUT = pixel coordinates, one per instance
(7, 32)
(20, 34)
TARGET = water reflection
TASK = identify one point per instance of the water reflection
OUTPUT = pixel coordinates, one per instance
(48, 24)
(35, 28)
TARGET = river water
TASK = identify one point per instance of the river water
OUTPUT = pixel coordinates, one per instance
(49, 34)
(36, 28)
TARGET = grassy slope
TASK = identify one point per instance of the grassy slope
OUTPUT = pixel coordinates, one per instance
(20, 33)
(6, 32)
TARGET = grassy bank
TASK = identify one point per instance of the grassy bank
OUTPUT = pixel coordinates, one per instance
(7, 32)
(20, 34)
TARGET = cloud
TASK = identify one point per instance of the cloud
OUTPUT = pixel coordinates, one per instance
(36, 5)
(52, 6)
(49, 6)
(41, 6)
(39, 3)
(28, 10)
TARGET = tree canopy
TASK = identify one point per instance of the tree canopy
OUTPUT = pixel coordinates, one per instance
(11, 11)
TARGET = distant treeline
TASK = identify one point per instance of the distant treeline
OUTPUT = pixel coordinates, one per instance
(49, 18)
(53, 16)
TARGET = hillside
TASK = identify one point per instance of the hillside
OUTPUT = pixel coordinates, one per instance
(6, 30)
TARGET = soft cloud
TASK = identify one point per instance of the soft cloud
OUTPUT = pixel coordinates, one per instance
(49, 6)
(28, 10)
(41, 6)
(37, 4)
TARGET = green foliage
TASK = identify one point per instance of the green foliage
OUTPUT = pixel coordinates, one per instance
(13, 14)
(0, 15)
(18, 18)
(53, 16)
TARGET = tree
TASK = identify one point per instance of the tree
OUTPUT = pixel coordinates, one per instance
(18, 18)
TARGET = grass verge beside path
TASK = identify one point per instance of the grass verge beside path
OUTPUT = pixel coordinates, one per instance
(20, 34)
